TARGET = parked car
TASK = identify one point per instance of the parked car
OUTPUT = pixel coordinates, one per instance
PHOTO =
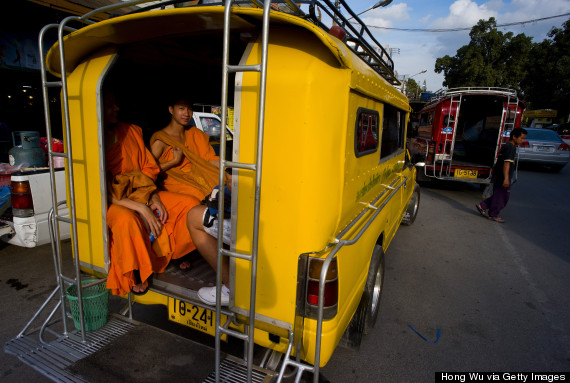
(544, 146)
(563, 131)
(211, 124)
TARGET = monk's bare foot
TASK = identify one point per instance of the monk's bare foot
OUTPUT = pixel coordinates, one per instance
(185, 265)
(140, 288)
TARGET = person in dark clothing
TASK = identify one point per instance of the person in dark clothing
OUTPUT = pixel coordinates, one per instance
(503, 174)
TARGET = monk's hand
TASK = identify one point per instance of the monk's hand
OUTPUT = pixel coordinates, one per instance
(151, 220)
(177, 155)
(158, 208)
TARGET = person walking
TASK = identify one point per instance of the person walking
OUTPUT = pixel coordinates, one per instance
(503, 174)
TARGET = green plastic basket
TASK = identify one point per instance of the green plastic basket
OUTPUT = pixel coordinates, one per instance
(95, 305)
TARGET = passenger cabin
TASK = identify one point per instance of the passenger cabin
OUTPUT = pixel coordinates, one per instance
(324, 128)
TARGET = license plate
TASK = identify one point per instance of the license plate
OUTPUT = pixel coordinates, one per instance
(196, 317)
(543, 148)
(465, 173)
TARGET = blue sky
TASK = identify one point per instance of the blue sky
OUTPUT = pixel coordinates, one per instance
(419, 50)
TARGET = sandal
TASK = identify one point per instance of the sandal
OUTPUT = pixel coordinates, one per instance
(139, 293)
(481, 210)
(497, 219)
(138, 281)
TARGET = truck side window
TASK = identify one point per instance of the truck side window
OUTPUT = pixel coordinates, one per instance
(393, 128)
(366, 133)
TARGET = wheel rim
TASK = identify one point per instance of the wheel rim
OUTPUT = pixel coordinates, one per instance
(376, 290)
(414, 205)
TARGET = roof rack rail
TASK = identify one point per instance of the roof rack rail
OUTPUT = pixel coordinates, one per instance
(472, 90)
(358, 37)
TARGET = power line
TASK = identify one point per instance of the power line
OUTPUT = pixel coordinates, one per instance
(465, 28)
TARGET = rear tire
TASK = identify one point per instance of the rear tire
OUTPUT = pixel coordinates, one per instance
(366, 314)
(413, 207)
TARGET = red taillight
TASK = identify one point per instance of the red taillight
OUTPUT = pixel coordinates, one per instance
(330, 296)
(22, 203)
(331, 283)
(525, 144)
(564, 147)
(431, 151)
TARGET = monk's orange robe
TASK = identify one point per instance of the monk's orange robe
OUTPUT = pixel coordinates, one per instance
(130, 246)
(194, 176)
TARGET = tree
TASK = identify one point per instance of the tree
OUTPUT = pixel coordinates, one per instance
(548, 82)
(492, 58)
(413, 87)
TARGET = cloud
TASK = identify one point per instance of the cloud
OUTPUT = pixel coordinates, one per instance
(464, 13)
(387, 17)
(425, 19)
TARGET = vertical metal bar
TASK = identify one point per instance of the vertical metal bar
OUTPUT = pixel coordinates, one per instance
(56, 243)
(320, 315)
(65, 102)
(225, 63)
(261, 125)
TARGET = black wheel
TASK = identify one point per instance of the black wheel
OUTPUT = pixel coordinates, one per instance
(367, 312)
(413, 207)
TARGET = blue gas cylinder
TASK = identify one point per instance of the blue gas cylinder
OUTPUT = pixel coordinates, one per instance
(27, 149)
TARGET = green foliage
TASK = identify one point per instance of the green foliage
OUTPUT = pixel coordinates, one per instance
(492, 58)
(413, 87)
(540, 72)
(548, 82)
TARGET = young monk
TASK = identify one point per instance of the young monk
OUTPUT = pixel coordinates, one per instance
(137, 209)
(184, 154)
(191, 167)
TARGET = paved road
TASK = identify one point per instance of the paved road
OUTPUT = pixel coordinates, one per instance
(499, 294)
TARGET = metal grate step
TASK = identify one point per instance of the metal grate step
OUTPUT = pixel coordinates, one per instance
(234, 370)
(53, 358)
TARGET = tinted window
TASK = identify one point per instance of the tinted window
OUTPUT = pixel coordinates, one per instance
(393, 128)
(547, 135)
(366, 134)
(211, 126)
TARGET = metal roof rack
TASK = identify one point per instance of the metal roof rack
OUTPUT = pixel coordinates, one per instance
(359, 39)
(472, 90)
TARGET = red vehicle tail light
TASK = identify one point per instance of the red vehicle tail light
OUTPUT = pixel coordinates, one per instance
(525, 144)
(22, 202)
(330, 297)
(564, 147)
(431, 150)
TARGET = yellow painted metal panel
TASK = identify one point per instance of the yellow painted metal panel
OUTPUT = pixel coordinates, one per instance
(83, 91)
(307, 94)
(175, 22)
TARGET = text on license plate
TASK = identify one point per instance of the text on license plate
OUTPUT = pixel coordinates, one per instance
(465, 173)
(543, 148)
(196, 317)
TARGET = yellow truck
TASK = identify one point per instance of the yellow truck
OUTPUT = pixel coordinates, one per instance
(321, 175)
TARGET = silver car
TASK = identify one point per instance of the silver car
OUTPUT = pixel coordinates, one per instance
(543, 146)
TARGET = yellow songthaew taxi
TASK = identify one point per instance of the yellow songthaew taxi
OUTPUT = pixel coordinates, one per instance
(321, 175)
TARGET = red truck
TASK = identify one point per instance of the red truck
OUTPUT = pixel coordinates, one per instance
(461, 131)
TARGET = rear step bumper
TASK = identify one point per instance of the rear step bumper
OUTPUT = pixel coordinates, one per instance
(127, 348)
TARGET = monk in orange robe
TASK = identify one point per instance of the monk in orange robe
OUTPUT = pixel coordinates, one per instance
(185, 155)
(137, 209)
(188, 161)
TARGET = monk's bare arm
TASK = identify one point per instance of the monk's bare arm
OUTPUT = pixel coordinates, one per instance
(158, 147)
